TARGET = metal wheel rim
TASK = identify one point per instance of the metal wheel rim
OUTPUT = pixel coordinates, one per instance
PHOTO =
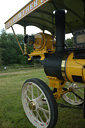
(40, 100)
(70, 97)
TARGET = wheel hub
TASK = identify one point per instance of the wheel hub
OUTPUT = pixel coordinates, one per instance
(32, 105)
(73, 87)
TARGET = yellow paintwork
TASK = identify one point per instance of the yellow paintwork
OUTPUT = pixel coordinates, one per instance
(59, 84)
(27, 9)
(84, 75)
(44, 43)
(25, 49)
(39, 41)
(75, 67)
(38, 53)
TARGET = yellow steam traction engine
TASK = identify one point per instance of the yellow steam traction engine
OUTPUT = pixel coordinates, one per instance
(65, 68)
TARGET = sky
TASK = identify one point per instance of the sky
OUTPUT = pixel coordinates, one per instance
(7, 9)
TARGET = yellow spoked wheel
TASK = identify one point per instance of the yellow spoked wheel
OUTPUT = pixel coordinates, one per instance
(76, 96)
(39, 104)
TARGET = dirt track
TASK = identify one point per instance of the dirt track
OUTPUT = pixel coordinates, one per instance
(13, 73)
(18, 72)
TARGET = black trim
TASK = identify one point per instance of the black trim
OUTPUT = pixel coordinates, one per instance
(77, 79)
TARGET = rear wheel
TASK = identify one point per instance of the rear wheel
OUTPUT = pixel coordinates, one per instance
(76, 97)
(39, 104)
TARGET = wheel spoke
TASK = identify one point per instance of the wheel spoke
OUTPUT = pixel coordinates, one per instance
(80, 91)
(75, 98)
(38, 92)
(39, 116)
(28, 99)
(29, 91)
(70, 95)
(39, 98)
(43, 110)
(32, 92)
(45, 116)
(80, 87)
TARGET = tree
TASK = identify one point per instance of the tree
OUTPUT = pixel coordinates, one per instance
(69, 43)
(1, 51)
(12, 53)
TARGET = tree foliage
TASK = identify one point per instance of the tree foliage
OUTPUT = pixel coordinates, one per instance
(12, 53)
(1, 51)
(69, 43)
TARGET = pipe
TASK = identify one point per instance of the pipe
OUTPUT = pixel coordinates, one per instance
(60, 30)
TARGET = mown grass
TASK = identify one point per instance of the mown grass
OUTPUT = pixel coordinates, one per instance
(11, 111)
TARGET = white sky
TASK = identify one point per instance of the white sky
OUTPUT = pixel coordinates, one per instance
(7, 9)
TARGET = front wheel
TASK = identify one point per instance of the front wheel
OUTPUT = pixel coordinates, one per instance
(39, 104)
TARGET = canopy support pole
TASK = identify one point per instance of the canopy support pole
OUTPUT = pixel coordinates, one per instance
(24, 30)
(25, 45)
(17, 40)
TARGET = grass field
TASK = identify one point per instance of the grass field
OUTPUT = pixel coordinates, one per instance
(11, 111)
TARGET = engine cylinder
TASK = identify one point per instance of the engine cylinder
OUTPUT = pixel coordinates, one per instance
(44, 41)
